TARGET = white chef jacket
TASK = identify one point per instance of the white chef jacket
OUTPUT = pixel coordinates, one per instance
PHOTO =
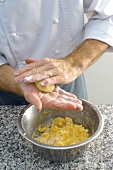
(50, 28)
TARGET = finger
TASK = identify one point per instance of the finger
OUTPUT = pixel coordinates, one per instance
(30, 78)
(30, 66)
(63, 92)
(27, 75)
(36, 74)
(35, 100)
(64, 105)
(26, 68)
(32, 75)
(75, 102)
(68, 98)
(37, 77)
(56, 79)
(70, 106)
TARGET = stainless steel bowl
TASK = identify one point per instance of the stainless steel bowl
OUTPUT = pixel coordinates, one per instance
(91, 118)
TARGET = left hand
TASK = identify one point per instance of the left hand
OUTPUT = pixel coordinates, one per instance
(61, 99)
(56, 99)
(52, 71)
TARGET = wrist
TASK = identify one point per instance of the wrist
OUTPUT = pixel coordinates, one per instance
(87, 53)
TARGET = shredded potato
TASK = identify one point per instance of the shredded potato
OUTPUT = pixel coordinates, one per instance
(61, 132)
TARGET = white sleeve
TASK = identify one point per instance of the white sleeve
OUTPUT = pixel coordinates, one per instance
(3, 60)
(100, 24)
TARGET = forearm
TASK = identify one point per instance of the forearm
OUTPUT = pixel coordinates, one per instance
(86, 54)
(7, 80)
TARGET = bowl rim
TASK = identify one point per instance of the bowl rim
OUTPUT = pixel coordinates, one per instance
(91, 138)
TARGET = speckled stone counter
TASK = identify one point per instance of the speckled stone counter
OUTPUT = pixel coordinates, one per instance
(17, 154)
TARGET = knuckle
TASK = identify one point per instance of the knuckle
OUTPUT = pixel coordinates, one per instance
(53, 64)
(34, 70)
(28, 67)
(59, 70)
(53, 80)
(46, 59)
(64, 78)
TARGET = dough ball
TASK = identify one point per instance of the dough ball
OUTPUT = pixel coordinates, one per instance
(44, 88)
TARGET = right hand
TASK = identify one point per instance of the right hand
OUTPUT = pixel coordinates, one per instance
(49, 70)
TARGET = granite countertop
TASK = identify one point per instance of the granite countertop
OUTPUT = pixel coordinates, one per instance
(17, 154)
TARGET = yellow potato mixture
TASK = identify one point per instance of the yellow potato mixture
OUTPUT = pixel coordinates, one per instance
(45, 89)
(61, 132)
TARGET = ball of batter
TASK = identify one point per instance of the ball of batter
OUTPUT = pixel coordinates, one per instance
(44, 88)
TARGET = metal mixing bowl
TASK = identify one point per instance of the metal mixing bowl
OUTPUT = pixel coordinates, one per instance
(91, 118)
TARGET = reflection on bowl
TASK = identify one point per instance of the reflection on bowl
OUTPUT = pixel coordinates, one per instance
(90, 118)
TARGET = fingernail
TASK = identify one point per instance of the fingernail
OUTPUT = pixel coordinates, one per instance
(79, 107)
(18, 81)
(26, 79)
(42, 83)
(16, 73)
(39, 109)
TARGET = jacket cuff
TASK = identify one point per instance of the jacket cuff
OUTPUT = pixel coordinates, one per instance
(99, 30)
(3, 60)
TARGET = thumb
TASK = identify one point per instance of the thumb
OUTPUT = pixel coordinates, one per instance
(35, 100)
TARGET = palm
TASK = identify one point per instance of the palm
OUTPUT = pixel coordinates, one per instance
(61, 99)
(56, 99)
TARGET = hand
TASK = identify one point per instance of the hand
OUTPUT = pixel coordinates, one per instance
(56, 99)
(64, 70)
(52, 71)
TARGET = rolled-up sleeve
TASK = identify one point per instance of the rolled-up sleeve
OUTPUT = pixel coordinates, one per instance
(100, 24)
(3, 60)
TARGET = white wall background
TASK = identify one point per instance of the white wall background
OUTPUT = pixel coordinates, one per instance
(99, 80)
